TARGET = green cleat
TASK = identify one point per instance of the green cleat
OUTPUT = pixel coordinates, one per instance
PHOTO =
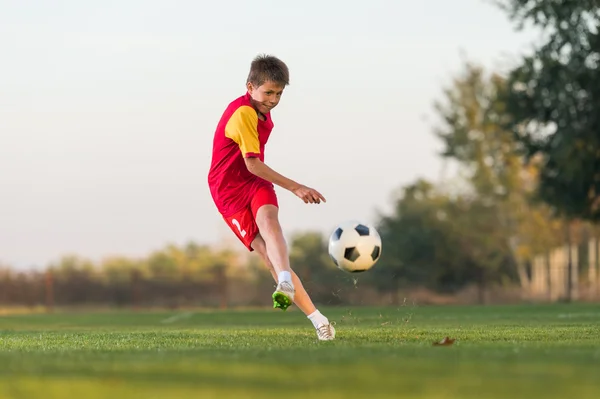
(283, 296)
(281, 301)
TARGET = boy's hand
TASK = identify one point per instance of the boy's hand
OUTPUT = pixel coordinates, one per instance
(308, 195)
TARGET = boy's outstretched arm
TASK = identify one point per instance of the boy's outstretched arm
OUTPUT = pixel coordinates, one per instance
(260, 169)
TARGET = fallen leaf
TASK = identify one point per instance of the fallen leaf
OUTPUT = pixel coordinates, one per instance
(445, 342)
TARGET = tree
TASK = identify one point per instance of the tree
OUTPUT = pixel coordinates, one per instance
(412, 239)
(474, 115)
(439, 242)
(554, 96)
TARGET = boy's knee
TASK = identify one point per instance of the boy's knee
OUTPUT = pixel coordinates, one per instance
(268, 216)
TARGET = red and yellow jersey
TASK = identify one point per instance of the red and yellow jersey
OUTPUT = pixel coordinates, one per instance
(240, 134)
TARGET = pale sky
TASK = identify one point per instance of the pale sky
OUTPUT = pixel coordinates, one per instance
(108, 110)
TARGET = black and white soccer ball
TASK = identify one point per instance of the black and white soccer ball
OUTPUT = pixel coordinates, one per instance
(355, 247)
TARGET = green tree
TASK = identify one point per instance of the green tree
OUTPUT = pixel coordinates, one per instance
(71, 265)
(75, 280)
(473, 132)
(412, 239)
(118, 269)
(554, 96)
(441, 242)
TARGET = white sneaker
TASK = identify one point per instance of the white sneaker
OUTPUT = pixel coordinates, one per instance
(326, 332)
(283, 295)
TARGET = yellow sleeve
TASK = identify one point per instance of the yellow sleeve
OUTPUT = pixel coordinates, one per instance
(242, 128)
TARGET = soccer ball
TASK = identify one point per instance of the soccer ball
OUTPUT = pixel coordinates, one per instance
(354, 247)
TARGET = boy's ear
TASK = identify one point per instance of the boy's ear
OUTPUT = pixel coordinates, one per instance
(249, 87)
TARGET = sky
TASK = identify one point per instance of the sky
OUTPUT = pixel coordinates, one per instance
(108, 111)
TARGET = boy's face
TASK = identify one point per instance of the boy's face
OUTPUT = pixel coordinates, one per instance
(266, 96)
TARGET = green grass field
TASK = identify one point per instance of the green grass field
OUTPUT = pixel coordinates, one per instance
(550, 351)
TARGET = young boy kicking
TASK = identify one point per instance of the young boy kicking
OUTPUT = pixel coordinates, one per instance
(242, 185)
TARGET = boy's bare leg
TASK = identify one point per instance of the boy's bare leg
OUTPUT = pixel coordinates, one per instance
(325, 331)
(267, 220)
(301, 298)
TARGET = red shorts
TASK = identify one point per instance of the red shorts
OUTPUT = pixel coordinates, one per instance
(243, 223)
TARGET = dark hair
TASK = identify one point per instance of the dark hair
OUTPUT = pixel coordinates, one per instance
(268, 68)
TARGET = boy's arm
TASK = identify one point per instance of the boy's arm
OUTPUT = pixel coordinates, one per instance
(260, 169)
(242, 129)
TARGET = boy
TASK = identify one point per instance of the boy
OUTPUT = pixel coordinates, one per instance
(242, 185)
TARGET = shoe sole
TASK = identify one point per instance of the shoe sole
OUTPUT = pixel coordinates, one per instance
(281, 301)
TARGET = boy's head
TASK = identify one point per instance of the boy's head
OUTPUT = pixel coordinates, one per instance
(267, 78)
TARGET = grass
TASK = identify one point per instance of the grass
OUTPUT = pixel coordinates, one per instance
(549, 351)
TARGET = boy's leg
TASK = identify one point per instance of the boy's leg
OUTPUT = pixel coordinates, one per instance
(245, 225)
(265, 207)
(325, 330)
(246, 228)
(301, 298)
(270, 230)
(267, 220)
